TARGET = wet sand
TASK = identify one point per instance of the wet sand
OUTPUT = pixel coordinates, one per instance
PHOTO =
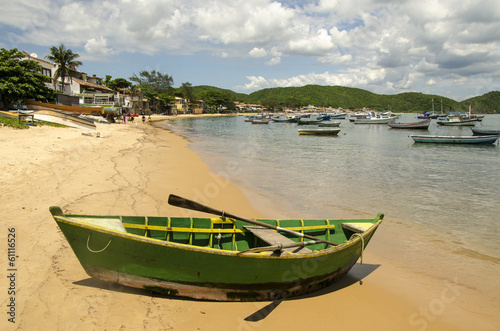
(131, 170)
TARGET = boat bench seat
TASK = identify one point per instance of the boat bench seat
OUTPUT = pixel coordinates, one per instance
(357, 227)
(272, 237)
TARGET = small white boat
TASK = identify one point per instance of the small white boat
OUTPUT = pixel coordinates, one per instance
(375, 119)
(415, 125)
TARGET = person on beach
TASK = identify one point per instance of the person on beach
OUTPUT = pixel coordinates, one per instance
(143, 119)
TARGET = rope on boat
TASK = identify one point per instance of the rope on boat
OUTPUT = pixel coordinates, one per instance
(219, 236)
(362, 245)
(99, 251)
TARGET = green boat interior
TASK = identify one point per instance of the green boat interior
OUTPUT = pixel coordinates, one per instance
(225, 233)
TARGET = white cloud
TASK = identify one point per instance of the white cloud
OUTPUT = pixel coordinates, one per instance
(274, 61)
(257, 52)
(96, 48)
(382, 45)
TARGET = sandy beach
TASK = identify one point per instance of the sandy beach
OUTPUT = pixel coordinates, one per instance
(130, 170)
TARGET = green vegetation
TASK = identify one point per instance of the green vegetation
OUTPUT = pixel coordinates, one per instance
(14, 123)
(354, 98)
(66, 60)
(156, 87)
(21, 79)
(486, 103)
(116, 84)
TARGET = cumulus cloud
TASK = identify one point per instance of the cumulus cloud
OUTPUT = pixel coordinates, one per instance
(96, 48)
(274, 61)
(257, 52)
(379, 45)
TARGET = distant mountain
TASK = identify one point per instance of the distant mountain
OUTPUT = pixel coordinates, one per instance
(354, 98)
(486, 103)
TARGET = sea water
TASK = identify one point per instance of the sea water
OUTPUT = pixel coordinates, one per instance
(436, 195)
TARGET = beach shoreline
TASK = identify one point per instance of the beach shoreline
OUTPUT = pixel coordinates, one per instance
(130, 170)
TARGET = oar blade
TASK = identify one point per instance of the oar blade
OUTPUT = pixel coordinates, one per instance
(178, 201)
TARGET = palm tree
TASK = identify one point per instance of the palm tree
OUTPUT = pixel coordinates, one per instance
(65, 59)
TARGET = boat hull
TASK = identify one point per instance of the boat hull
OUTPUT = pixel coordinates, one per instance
(483, 132)
(207, 273)
(416, 125)
(455, 139)
(320, 131)
(63, 119)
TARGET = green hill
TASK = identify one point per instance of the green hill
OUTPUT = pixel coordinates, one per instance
(354, 98)
(486, 103)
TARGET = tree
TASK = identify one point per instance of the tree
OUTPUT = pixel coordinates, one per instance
(65, 59)
(21, 79)
(116, 84)
(154, 81)
(270, 103)
(216, 99)
(156, 87)
(187, 91)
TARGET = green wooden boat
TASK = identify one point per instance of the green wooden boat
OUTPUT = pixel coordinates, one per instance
(221, 259)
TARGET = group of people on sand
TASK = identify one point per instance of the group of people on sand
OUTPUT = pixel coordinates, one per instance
(131, 118)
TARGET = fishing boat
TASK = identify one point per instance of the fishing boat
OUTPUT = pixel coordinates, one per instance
(414, 125)
(484, 132)
(428, 115)
(457, 121)
(338, 116)
(306, 121)
(454, 139)
(59, 117)
(329, 124)
(260, 121)
(319, 131)
(324, 116)
(375, 118)
(225, 258)
(75, 110)
(286, 119)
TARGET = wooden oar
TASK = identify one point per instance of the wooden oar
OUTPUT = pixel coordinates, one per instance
(279, 246)
(175, 200)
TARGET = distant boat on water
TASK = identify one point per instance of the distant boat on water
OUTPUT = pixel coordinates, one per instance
(484, 132)
(414, 125)
(319, 131)
(374, 118)
(454, 139)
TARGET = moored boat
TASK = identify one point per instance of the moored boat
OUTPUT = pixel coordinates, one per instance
(375, 119)
(319, 131)
(286, 119)
(260, 121)
(306, 121)
(217, 258)
(454, 139)
(414, 125)
(485, 132)
(457, 121)
(329, 124)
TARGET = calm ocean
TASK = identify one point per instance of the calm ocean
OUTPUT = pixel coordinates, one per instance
(445, 196)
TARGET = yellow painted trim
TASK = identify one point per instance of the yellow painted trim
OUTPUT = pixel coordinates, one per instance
(216, 230)
(210, 250)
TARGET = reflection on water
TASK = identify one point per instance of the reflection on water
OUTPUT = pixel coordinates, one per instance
(449, 189)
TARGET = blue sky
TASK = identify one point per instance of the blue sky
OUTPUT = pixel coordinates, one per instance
(442, 47)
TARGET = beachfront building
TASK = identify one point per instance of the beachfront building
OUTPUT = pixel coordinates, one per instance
(248, 108)
(181, 105)
(78, 88)
(48, 68)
